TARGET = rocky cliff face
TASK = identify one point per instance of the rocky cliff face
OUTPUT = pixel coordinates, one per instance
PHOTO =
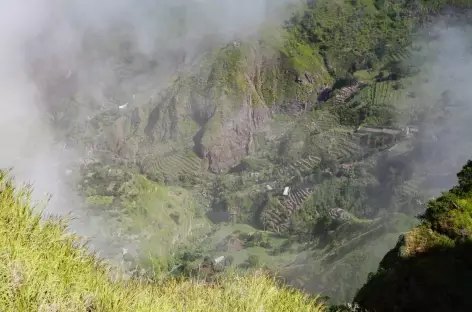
(216, 108)
(234, 140)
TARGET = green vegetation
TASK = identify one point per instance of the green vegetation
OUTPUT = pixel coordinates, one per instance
(429, 268)
(345, 255)
(185, 168)
(40, 259)
(154, 210)
(320, 106)
(43, 268)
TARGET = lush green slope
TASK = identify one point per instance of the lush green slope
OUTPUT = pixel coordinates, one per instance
(43, 268)
(429, 268)
(278, 110)
(217, 105)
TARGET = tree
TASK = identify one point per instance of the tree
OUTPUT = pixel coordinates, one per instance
(465, 179)
(253, 261)
(229, 260)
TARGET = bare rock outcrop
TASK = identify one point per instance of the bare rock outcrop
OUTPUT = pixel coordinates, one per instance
(232, 140)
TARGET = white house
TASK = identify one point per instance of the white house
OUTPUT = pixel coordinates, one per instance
(286, 190)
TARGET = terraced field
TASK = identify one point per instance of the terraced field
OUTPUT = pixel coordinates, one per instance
(302, 166)
(295, 199)
(324, 139)
(172, 167)
(344, 146)
(411, 187)
(346, 93)
(276, 216)
(322, 121)
(339, 144)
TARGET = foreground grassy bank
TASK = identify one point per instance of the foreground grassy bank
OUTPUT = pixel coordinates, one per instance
(43, 268)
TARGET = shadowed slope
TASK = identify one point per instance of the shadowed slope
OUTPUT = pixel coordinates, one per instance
(430, 267)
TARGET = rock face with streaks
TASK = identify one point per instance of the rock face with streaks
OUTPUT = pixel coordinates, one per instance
(234, 141)
(213, 106)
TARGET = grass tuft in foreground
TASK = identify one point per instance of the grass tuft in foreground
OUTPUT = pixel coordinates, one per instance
(43, 268)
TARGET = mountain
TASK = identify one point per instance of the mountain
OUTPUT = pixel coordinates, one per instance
(322, 105)
(305, 149)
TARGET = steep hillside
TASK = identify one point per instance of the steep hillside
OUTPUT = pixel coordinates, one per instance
(352, 249)
(44, 268)
(306, 148)
(429, 268)
(216, 105)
